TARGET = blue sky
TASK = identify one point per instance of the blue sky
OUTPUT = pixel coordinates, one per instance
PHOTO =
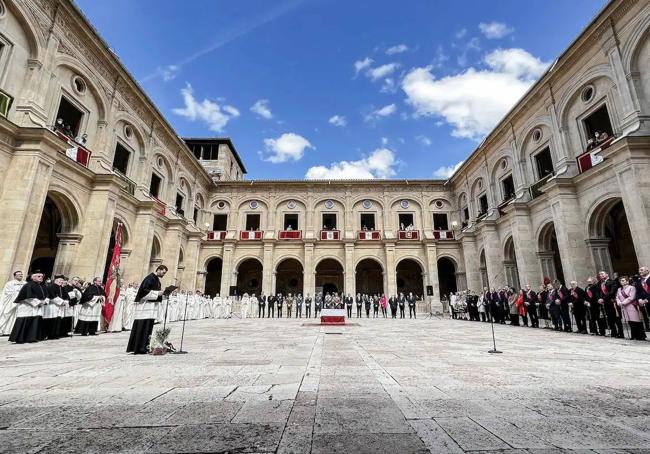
(333, 88)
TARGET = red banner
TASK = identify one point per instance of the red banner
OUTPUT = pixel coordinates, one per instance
(113, 277)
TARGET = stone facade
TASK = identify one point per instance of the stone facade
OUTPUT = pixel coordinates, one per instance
(526, 203)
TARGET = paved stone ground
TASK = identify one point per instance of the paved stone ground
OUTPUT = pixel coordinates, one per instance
(278, 386)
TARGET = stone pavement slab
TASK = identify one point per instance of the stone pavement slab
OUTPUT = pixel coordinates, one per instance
(276, 386)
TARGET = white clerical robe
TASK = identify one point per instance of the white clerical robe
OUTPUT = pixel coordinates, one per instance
(218, 304)
(129, 310)
(148, 307)
(91, 311)
(117, 322)
(228, 307)
(7, 306)
(244, 304)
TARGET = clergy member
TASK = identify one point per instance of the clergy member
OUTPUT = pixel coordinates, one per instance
(147, 300)
(54, 310)
(31, 297)
(7, 306)
(74, 297)
(90, 314)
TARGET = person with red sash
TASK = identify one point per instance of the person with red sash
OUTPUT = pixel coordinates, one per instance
(643, 294)
(553, 303)
(627, 301)
(563, 295)
(531, 303)
(578, 298)
(597, 323)
(542, 297)
(607, 298)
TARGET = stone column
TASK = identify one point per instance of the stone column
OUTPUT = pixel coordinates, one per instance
(569, 228)
(470, 255)
(142, 240)
(24, 190)
(97, 227)
(349, 273)
(124, 263)
(268, 281)
(200, 280)
(525, 244)
(431, 274)
(390, 284)
(189, 278)
(493, 254)
(171, 252)
(66, 252)
(227, 271)
(309, 276)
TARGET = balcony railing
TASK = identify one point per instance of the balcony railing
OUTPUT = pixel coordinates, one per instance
(217, 235)
(251, 235)
(369, 235)
(128, 184)
(534, 188)
(592, 158)
(330, 235)
(290, 234)
(6, 100)
(408, 235)
(75, 151)
(443, 234)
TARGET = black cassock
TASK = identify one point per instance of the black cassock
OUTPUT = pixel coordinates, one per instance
(143, 327)
(85, 327)
(28, 328)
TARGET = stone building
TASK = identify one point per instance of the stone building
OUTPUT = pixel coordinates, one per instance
(82, 148)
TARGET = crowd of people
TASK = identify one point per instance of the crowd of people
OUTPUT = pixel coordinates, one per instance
(604, 306)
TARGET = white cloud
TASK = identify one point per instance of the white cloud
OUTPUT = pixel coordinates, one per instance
(446, 171)
(288, 146)
(382, 71)
(388, 86)
(384, 141)
(423, 140)
(209, 112)
(383, 112)
(398, 49)
(169, 72)
(461, 33)
(495, 30)
(473, 101)
(262, 108)
(379, 164)
(338, 120)
(360, 65)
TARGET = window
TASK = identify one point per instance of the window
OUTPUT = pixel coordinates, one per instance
(329, 221)
(482, 204)
(179, 203)
(291, 221)
(466, 214)
(154, 186)
(220, 222)
(121, 159)
(508, 187)
(252, 222)
(544, 163)
(405, 220)
(598, 122)
(367, 221)
(195, 215)
(440, 221)
(70, 118)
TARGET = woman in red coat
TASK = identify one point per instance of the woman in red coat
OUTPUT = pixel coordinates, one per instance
(521, 306)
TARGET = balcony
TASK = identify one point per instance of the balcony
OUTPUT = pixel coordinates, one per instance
(330, 235)
(591, 158)
(128, 184)
(75, 150)
(535, 188)
(251, 235)
(443, 234)
(217, 235)
(159, 206)
(369, 235)
(290, 235)
(6, 100)
(408, 235)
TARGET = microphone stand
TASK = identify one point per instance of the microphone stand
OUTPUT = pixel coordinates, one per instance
(180, 350)
(494, 342)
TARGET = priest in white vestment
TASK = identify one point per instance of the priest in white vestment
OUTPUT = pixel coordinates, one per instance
(117, 322)
(218, 304)
(243, 305)
(7, 306)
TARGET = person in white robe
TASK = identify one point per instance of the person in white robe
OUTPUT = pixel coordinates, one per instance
(129, 309)
(7, 306)
(228, 307)
(117, 321)
(253, 305)
(54, 310)
(173, 306)
(218, 304)
(243, 305)
(90, 314)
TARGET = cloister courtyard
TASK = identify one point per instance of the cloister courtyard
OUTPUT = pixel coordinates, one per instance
(288, 386)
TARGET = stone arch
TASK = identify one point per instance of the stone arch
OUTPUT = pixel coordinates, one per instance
(324, 199)
(289, 276)
(287, 257)
(497, 173)
(244, 258)
(409, 276)
(68, 206)
(637, 37)
(359, 199)
(610, 239)
(329, 274)
(549, 252)
(155, 257)
(447, 271)
(138, 143)
(329, 257)
(510, 263)
(76, 66)
(214, 275)
(29, 26)
(415, 208)
(636, 58)
(284, 200)
(247, 200)
(572, 91)
(250, 274)
(370, 275)
(126, 230)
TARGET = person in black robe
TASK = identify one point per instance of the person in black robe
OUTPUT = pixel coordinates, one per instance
(318, 304)
(597, 323)
(280, 302)
(608, 288)
(149, 293)
(542, 298)
(72, 290)
(348, 304)
(562, 293)
(58, 298)
(93, 292)
(401, 302)
(392, 302)
(578, 298)
(308, 301)
(642, 283)
(530, 300)
(30, 300)
(367, 301)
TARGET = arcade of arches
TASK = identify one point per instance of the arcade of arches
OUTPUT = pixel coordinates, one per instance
(249, 277)
(213, 276)
(409, 278)
(369, 277)
(329, 276)
(288, 277)
(447, 277)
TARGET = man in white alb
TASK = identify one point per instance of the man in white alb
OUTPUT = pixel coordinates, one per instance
(7, 306)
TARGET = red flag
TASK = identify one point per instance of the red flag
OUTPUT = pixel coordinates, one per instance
(113, 276)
